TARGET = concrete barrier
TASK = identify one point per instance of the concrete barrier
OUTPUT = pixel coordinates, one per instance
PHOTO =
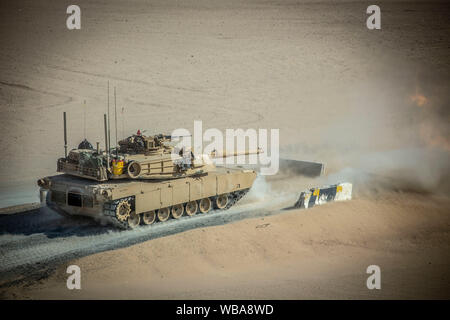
(317, 196)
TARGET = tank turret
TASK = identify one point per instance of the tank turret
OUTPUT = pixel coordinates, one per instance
(139, 157)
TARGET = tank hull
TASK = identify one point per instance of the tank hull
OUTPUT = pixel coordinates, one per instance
(119, 202)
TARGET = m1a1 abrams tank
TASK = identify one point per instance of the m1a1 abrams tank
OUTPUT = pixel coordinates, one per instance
(139, 182)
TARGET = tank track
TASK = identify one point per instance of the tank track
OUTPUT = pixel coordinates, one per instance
(235, 197)
(109, 208)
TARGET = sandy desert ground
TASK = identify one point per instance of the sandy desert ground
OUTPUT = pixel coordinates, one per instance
(321, 253)
(372, 105)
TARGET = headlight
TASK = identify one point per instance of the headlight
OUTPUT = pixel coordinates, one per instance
(44, 183)
(102, 194)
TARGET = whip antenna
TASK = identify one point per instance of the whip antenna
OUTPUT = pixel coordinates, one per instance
(106, 141)
(115, 118)
(65, 135)
(109, 128)
(84, 120)
(123, 123)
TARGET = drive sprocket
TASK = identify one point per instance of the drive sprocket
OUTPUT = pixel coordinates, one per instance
(123, 210)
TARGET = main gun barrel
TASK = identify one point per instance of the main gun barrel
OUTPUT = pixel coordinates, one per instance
(224, 154)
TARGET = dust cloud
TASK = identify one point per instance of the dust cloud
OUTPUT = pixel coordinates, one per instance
(395, 138)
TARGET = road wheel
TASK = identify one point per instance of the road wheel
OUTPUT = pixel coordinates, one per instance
(177, 211)
(163, 214)
(205, 205)
(221, 201)
(133, 220)
(123, 210)
(149, 217)
(191, 208)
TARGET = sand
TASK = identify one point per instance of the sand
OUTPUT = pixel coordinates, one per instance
(371, 105)
(318, 253)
